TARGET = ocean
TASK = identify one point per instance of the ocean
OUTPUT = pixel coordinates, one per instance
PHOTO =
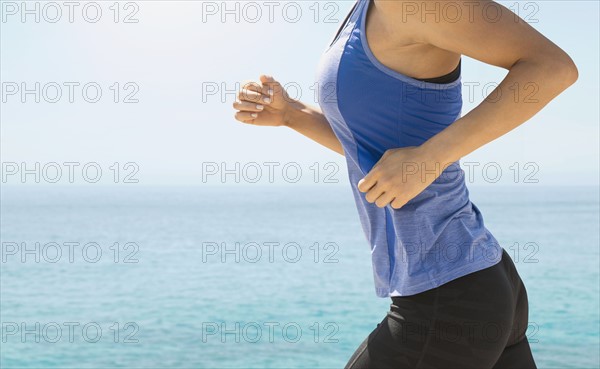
(255, 276)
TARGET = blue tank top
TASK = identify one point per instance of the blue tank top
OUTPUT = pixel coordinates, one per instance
(439, 235)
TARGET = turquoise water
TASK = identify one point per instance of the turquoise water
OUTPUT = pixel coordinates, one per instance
(167, 291)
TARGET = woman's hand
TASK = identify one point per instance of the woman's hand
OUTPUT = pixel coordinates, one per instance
(400, 175)
(267, 104)
(262, 104)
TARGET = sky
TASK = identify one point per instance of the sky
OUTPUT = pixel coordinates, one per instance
(141, 92)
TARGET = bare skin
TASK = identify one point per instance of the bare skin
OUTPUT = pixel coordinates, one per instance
(401, 36)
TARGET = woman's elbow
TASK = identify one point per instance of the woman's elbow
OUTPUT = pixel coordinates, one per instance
(564, 70)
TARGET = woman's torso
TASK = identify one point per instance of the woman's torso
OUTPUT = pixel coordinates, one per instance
(439, 235)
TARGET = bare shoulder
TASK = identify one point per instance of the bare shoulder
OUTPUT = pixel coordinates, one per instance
(482, 29)
(443, 10)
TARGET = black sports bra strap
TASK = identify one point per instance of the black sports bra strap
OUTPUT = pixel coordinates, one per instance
(448, 78)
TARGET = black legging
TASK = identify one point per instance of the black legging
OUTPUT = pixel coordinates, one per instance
(476, 321)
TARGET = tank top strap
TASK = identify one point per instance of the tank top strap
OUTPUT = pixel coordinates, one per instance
(352, 18)
(357, 11)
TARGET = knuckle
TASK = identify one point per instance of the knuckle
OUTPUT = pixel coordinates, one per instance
(398, 203)
(384, 180)
(247, 85)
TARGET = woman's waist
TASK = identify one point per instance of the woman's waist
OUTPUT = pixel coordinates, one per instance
(445, 198)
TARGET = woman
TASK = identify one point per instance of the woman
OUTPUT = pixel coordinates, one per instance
(457, 299)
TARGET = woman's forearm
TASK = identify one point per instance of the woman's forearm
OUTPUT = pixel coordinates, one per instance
(389, 181)
(527, 88)
(311, 123)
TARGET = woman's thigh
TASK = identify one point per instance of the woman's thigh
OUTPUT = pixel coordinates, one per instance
(466, 323)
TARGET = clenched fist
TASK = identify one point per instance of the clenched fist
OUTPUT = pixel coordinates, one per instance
(262, 104)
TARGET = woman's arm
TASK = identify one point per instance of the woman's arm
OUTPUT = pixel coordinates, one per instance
(538, 72)
(267, 104)
(535, 64)
(311, 122)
